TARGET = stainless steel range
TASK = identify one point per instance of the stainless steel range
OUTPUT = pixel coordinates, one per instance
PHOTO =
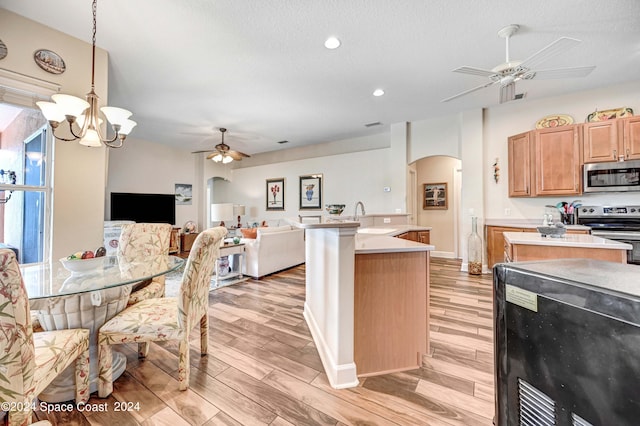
(619, 223)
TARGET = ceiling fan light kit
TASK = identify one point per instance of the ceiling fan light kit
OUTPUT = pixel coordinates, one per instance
(508, 73)
(85, 114)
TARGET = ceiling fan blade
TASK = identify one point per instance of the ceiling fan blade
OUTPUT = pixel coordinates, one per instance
(474, 71)
(213, 154)
(236, 155)
(469, 91)
(549, 51)
(507, 92)
(198, 152)
(560, 73)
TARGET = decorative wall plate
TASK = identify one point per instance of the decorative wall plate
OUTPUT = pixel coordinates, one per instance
(3, 50)
(609, 114)
(554, 121)
(49, 61)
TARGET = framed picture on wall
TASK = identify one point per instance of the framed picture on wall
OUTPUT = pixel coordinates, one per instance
(434, 196)
(310, 192)
(183, 192)
(275, 194)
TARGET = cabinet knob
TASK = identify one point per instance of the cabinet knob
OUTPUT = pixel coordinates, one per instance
(627, 152)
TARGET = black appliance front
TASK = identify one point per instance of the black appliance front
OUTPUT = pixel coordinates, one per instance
(566, 353)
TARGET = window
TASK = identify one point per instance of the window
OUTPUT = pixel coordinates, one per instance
(24, 205)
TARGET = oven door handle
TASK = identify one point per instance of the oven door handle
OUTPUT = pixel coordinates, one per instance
(634, 236)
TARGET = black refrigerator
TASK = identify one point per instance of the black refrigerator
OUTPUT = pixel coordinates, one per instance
(567, 343)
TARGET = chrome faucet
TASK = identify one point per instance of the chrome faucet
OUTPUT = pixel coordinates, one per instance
(355, 213)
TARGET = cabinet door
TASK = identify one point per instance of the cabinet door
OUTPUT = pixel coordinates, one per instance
(424, 237)
(601, 141)
(520, 165)
(495, 243)
(557, 161)
(404, 236)
(631, 131)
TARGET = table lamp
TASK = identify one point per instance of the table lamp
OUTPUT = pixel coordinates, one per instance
(238, 210)
(220, 212)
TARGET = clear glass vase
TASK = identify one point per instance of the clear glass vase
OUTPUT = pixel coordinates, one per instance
(474, 245)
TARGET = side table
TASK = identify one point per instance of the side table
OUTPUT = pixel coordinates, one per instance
(229, 266)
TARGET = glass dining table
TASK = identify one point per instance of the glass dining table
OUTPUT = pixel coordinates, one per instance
(63, 299)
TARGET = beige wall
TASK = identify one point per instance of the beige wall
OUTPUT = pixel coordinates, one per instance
(438, 169)
(79, 175)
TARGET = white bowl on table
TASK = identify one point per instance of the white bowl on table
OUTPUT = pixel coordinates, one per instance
(83, 265)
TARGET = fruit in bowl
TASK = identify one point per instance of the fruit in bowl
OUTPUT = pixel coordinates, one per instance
(83, 261)
(335, 209)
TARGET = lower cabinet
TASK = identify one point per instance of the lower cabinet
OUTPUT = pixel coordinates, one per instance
(423, 237)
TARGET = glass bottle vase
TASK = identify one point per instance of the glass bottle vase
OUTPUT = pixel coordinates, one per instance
(474, 245)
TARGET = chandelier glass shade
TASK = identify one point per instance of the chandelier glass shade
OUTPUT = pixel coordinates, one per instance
(83, 116)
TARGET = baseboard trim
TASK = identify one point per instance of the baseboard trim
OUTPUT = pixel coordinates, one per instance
(340, 376)
(443, 254)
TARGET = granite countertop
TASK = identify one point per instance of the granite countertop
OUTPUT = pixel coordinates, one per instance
(568, 240)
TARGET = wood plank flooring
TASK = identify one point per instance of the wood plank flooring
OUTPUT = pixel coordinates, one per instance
(263, 367)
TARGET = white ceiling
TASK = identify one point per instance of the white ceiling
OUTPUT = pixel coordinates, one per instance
(259, 68)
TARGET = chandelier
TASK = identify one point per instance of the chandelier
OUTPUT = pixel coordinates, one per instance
(85, 114)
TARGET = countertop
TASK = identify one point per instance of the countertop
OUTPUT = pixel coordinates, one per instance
(526, 223)
(371, 239)
(382, 239)
(568, 240)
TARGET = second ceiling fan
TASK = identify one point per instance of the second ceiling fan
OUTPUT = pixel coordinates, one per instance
(510, 71)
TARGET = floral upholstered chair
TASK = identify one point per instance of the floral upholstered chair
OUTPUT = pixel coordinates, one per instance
(30, 361)
(167, 318)
(143, 239)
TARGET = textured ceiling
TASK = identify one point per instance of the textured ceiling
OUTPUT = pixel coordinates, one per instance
(259, 68)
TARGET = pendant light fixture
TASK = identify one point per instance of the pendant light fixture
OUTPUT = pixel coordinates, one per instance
(85, 114)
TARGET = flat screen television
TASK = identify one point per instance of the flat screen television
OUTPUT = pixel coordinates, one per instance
(150, 208)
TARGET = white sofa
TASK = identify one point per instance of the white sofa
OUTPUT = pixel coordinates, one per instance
(275, 248)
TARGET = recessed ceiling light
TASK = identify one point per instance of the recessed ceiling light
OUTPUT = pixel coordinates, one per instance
(378, 92)
(332, 43)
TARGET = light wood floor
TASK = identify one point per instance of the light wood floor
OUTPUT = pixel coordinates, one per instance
(263, 368)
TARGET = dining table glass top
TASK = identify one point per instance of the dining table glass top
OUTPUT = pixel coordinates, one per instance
(52, 279)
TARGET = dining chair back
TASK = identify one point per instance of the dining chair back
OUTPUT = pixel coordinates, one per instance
(145, 239)
(28, 361)
(167, 318)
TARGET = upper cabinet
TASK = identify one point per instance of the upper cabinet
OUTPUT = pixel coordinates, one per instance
(612, 140)
(520, 165)
(545, 162)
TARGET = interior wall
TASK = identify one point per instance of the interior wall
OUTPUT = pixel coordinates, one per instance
(347, 178)
(79, 174)
(438, 169)
(512, 118)
(147, 167)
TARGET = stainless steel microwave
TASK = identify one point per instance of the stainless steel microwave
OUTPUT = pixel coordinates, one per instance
(619, 176)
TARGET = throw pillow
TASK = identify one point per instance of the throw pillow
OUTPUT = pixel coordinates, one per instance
(251, 233)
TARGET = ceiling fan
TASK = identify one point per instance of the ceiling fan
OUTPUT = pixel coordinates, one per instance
(223, 152)
(510, 71)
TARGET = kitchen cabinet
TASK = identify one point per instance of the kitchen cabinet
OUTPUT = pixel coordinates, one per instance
(611, 140)
(496, 244)
(520, 165)
(423, 237)
(545, 162)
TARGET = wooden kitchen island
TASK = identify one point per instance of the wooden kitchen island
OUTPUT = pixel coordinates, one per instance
(525, 246)
(366, 301)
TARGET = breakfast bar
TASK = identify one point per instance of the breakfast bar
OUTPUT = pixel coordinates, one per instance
(357, 283)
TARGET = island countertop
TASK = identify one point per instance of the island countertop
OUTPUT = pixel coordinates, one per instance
(568, 240)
